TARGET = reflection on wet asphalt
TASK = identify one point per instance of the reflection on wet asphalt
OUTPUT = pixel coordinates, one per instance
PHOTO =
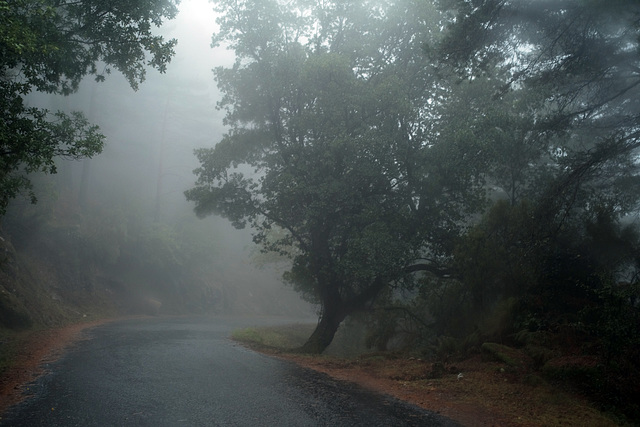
(186, 372)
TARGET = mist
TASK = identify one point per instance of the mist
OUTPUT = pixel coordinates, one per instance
(446, 181)
(128, 201)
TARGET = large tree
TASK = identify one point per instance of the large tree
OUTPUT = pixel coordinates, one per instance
(331, 108)
(49, 46)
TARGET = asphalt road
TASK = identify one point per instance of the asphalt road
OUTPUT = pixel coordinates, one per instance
(186, 372)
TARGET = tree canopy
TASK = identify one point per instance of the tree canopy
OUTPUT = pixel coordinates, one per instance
(488, 146)
(330, 108)
(569, 71)
(50, 46)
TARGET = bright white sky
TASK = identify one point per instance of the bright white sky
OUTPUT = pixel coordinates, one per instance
(197, 11)
(193, 28)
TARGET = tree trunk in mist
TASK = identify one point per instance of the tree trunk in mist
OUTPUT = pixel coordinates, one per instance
(83, 192)
(156, 210)
(333, 313)
(163, 135)
(64, 177)
(334, 310)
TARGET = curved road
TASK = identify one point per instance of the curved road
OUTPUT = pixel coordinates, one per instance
(186, 372)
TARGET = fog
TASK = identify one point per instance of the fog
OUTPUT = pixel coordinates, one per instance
(141, 175)
(445, 181)
(151, 133)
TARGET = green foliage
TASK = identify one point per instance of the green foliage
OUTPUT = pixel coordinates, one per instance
(500, 321)
(247, 335)
(31, 139)
(397, 321)
(515, 282)
(494, 266)
(48, 46)
(327, 106)
(56, 44)
(446, 300)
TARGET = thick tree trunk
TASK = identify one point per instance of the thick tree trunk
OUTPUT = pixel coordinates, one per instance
(83, 192)
(334, 311)
(322, 336)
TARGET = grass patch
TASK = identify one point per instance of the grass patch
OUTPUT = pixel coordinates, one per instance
(283, 337)
(247, 335)
(348, 342)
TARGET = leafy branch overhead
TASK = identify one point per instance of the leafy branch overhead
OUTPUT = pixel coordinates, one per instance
(50, 46)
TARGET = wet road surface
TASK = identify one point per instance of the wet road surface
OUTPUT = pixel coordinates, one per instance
(186, 372)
